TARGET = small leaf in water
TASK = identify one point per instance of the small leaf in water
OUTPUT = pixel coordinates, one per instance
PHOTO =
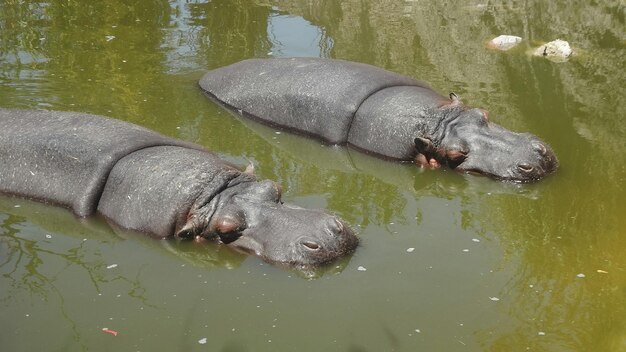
(109, 331)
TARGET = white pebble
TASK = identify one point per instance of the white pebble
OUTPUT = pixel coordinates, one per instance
(581, 275)
(505, 42)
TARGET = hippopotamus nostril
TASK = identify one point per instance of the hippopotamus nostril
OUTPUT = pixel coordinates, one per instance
(335, 226)
(310, 245)
(540, 148)
(525, 167)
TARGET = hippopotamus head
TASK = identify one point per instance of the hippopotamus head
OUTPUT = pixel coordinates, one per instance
(251, 217)
(467, 141)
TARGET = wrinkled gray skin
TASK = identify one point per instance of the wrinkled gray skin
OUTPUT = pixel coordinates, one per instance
(378, 112)
(147, 182)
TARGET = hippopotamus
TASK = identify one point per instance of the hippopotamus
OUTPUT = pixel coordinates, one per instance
(168, 188)
(378, 112)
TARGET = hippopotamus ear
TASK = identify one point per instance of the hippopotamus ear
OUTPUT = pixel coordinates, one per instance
(424, 145)
(249, 169)
(455, 99)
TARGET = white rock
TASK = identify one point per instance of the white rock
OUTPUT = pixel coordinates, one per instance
(557, 50)
(504, 42)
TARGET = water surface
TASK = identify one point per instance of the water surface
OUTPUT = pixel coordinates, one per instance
(448, 262)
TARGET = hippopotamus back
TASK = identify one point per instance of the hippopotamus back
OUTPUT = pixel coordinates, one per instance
(42, 150)
(309, 95)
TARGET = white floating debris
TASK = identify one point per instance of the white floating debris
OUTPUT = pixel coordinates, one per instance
(48, 236)
(581, 275)
(17, 206)
(541, 333)
(495, 299)
(277, 132)
(202, 341)
(557, 50)
(504, 42)
(602, 271)
(361, 268)
(418, 331)
(410, 250)
(475, 240)
(111, 266)
(109, 37)
(465, 250)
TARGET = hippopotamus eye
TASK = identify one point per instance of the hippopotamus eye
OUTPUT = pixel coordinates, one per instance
(456, 154)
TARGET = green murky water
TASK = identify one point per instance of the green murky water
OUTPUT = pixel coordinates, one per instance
(452, 262)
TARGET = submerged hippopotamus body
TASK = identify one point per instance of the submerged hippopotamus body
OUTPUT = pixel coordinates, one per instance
(146, 182)
(379, 112)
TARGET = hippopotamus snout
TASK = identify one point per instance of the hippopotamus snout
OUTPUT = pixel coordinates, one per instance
(324, 239)
(519, 157)
(471, 143)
